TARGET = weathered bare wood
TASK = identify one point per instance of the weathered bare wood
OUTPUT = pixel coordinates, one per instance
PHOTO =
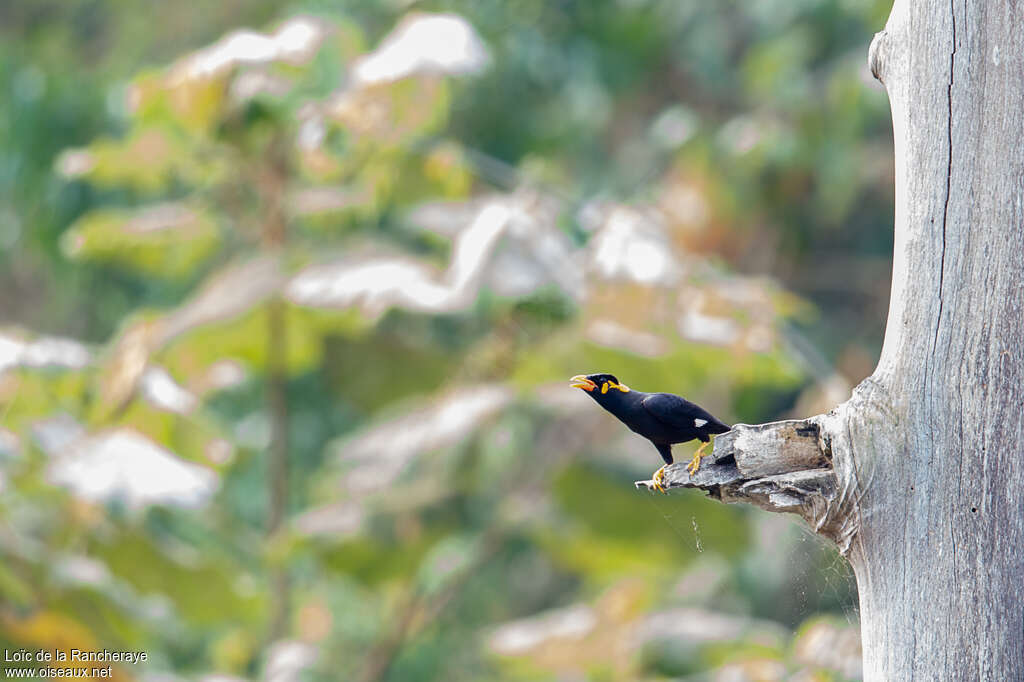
(778, 448)
(942, 523)
(781, 466)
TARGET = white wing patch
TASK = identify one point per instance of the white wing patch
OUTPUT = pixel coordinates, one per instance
(699, 422)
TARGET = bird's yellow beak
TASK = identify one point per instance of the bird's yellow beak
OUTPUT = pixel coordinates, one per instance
(580, 381)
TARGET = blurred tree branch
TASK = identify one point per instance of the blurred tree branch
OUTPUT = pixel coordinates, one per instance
(274, 238)
(419, 610)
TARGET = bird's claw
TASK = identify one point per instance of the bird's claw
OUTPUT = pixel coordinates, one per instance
(658, 480)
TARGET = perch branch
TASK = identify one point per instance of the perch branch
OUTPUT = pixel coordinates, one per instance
(781, 466)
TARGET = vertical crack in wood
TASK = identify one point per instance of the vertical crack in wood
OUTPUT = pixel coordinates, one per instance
(942, 273)
(949, 173)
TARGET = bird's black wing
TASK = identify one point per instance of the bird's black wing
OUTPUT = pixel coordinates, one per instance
(680, 413)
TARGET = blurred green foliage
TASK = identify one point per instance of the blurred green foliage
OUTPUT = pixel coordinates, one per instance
(385, 280)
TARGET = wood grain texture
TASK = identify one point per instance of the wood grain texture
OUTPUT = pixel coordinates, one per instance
(938, 436)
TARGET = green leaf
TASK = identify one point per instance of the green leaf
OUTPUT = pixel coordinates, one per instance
(167, 240)
(202, 589)
(149, 159)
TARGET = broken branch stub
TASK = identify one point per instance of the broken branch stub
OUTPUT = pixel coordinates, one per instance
(783, 466)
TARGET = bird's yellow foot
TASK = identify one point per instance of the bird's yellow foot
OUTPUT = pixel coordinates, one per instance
(658, 479)
(694, 464)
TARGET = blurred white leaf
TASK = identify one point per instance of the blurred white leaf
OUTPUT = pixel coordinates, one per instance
(231, 292)
(534, 233)
(257, 82)
(295, 42)
(534, 253)
(511, 245)
(520, 636)
(757, 670)
(709, 313)
(613, 335)
(700, 328)
(421, 43)
(376, 284)
(703, 626)
(121, 464)
(160, 389)
(631, 244)
(447, 218)
(287, 659)
(318, 200)
(378, 455)
(81, 570)
(337, 520)
(17, 350)
(711, 306)
(57, 433)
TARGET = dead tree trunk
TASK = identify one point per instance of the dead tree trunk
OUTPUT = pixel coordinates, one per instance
(919, 477)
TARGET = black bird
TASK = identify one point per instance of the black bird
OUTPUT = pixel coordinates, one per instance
(662, 418)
